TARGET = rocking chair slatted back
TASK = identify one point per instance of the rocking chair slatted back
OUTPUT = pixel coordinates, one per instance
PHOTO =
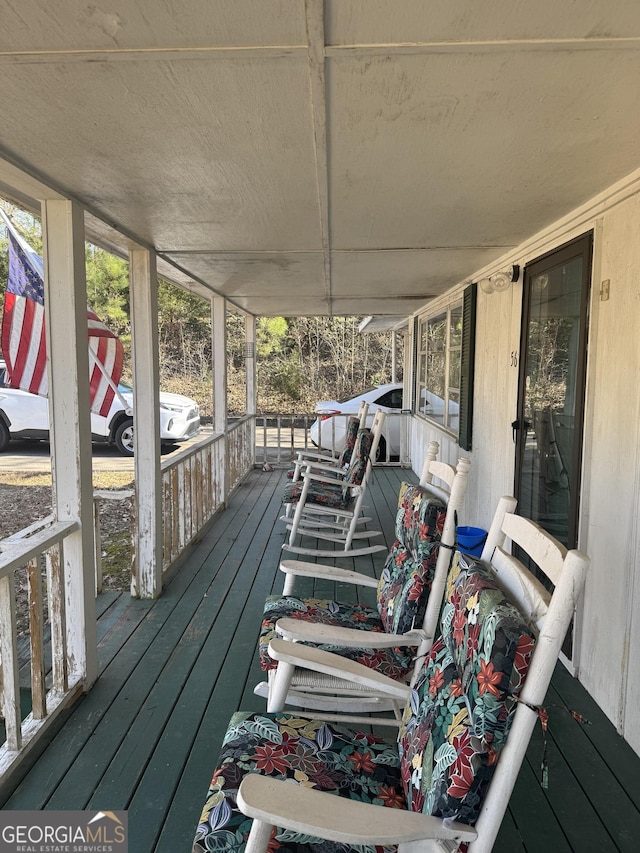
(569, 580)
(308, 457)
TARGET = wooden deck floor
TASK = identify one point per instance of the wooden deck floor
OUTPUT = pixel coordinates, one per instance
(173, 671)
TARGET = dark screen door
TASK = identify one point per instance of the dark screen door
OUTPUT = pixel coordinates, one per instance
(548, 429)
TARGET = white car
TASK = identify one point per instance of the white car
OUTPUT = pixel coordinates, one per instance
(329, 429)
(26, 415)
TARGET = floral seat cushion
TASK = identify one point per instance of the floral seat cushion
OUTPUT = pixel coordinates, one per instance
(407, 577)
(311, 752)
(463, 701)
(393, 662)
(327, 494)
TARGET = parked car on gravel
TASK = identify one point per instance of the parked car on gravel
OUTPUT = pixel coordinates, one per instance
(26, 416)
(328, 431)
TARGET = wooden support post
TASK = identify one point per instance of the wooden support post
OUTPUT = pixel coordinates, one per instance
(219, 351)
(250, 362)
(252, 378)
(394, 358)
(65, 298)
(146, 579)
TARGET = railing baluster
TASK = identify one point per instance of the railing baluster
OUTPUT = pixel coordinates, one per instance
(180, 504)
(176, 511)
(279, 437)
(57, 619)
(265, 457)
(9, 657)
(36, 640)
(97, 544)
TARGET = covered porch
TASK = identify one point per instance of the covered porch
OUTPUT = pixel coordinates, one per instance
(330, 158)
(172, 671)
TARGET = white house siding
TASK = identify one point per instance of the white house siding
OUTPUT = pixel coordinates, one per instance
(608, 632)
(610, 648)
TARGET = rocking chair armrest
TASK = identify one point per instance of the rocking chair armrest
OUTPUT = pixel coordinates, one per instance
(315, 632)
(313, 465)
(323, 815)
(334, 573)
(304, 455)
(317, 660)
(323, 478)
(319, 465)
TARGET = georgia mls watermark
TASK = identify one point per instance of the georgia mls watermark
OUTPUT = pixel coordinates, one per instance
(63, 832)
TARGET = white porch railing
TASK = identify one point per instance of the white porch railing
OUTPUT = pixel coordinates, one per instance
(192, 491)
(44, 667)
(240, 451)
(279, 437)
(197, 482)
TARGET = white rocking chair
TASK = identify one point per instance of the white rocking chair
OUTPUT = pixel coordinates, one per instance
(409, 598)
(331, 466)
(330, 508)
(332, 698)
(448, 780)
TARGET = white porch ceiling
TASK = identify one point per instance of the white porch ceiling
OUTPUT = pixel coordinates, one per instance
(337, 157)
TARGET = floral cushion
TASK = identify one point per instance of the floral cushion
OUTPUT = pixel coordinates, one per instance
(463, 702)
(334, 494)
(408, 573)
(402, 592)
(327, 494)
(349, 443)
(393, 662)
(362, 449)
(320, 755)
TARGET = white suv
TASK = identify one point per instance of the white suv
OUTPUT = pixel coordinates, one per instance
(26, 415)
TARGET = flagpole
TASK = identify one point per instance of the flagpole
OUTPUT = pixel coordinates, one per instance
(29, 251)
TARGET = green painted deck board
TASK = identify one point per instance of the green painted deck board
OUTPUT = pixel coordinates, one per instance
(613, 750)
(142, 709)
(174, 670)
(569, 741)
(185, 700)
(66, 750)
(531, 818)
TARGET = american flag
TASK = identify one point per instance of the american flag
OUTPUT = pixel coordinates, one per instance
(23, 331)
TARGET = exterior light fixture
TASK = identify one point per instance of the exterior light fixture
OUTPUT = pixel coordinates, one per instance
(501, 280)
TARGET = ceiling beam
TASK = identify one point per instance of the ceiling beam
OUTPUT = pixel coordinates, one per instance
(314, 11)
(497, 46)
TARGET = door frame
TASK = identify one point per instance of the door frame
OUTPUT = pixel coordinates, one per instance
(580, 246)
